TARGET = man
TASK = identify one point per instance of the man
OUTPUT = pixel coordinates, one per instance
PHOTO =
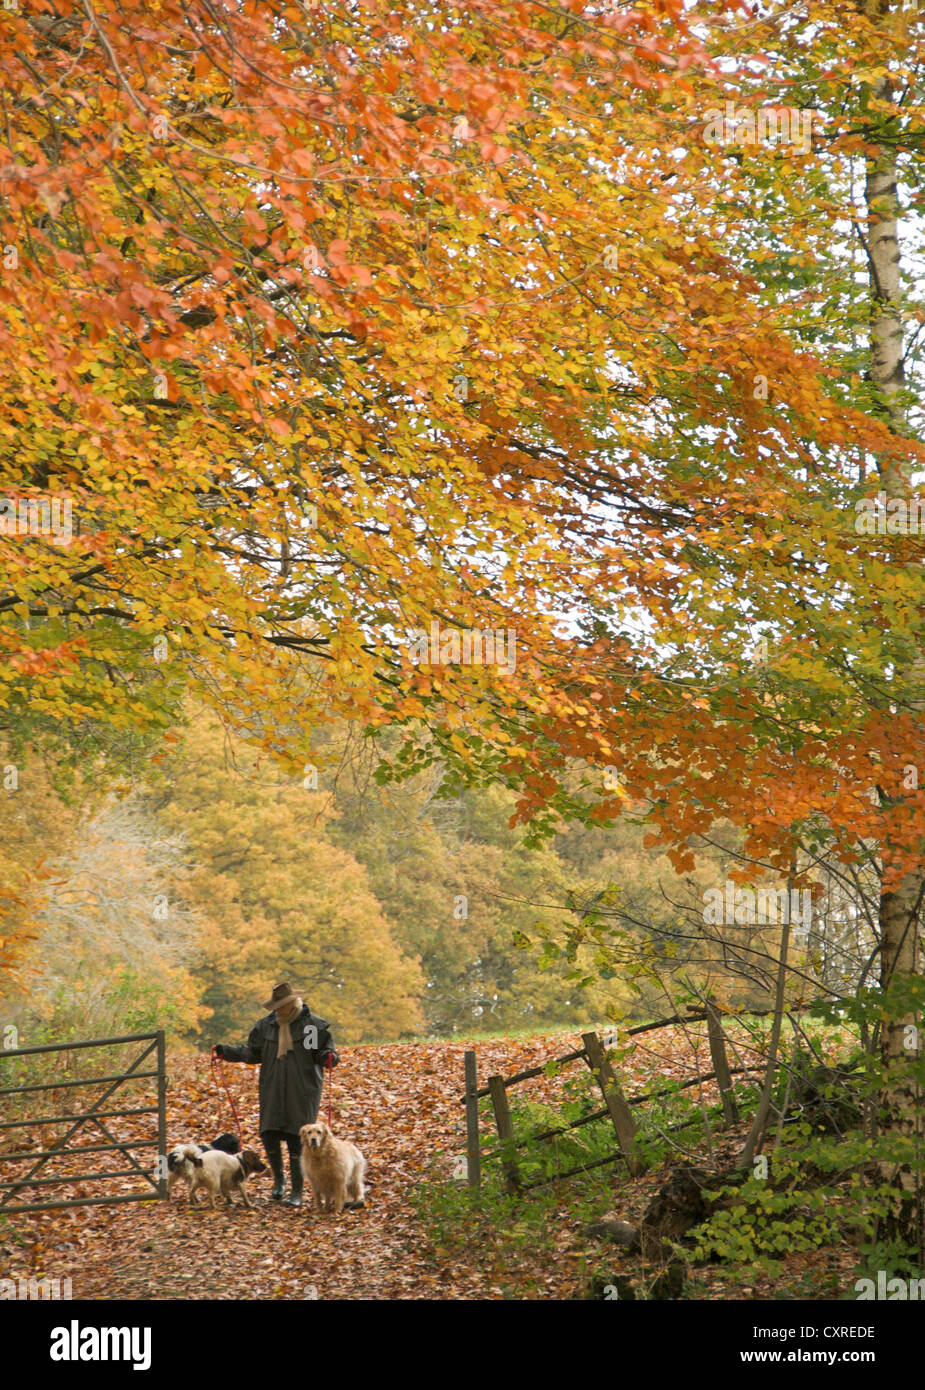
(292, 1046)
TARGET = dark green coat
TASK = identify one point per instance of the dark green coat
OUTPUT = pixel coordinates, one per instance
(290, 1086)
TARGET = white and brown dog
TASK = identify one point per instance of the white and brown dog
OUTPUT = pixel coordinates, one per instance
(184, 1159)
(219, 1172)
(334, 1167)
(182, 1162)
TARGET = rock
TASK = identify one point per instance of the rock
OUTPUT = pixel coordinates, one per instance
(612, 1228)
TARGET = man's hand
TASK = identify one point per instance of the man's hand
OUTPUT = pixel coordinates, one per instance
(330, 1059)
(218, 1050)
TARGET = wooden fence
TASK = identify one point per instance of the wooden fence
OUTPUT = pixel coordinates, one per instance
(616, 1107)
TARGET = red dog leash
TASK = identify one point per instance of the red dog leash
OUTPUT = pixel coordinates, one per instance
(218, 1076)
(329, 1063)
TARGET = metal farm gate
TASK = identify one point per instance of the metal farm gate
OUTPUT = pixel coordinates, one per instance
(15, 1183)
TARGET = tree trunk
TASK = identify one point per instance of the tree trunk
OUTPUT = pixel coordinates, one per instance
(899, 905)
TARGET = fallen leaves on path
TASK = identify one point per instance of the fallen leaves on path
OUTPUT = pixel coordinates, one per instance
(401, 1103)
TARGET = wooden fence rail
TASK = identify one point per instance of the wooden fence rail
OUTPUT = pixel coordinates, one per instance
(616, 1105)
(602, 1113)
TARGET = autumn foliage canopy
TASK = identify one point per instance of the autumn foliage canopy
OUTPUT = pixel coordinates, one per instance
(333, 322)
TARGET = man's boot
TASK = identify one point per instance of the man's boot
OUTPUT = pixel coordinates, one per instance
(295, 1170)
(275, 1155)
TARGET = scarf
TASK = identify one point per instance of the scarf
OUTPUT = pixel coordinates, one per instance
(285, 1032)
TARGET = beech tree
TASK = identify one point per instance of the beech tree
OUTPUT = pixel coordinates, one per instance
(276, 897)
(777, 676)
(292, 346)
(340, 326)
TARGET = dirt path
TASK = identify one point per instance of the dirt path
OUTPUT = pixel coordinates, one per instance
(398, 1102)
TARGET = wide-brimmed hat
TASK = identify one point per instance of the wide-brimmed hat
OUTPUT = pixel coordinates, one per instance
(282, 995)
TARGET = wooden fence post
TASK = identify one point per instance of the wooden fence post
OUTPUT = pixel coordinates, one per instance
(505, 1132)
(623, 1122)
(721, 1065)
(473, 1158)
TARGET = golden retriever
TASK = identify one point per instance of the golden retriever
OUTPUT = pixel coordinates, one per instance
(334, 1167)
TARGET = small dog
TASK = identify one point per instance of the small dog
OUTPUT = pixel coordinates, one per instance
(184, 1159)
(225, 1173)
(182, 1162)
(334, 1167)
(228, 1143)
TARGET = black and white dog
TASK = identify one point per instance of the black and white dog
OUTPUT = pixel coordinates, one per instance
(220, 1173)
(228, 1144)
(184, 1160)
